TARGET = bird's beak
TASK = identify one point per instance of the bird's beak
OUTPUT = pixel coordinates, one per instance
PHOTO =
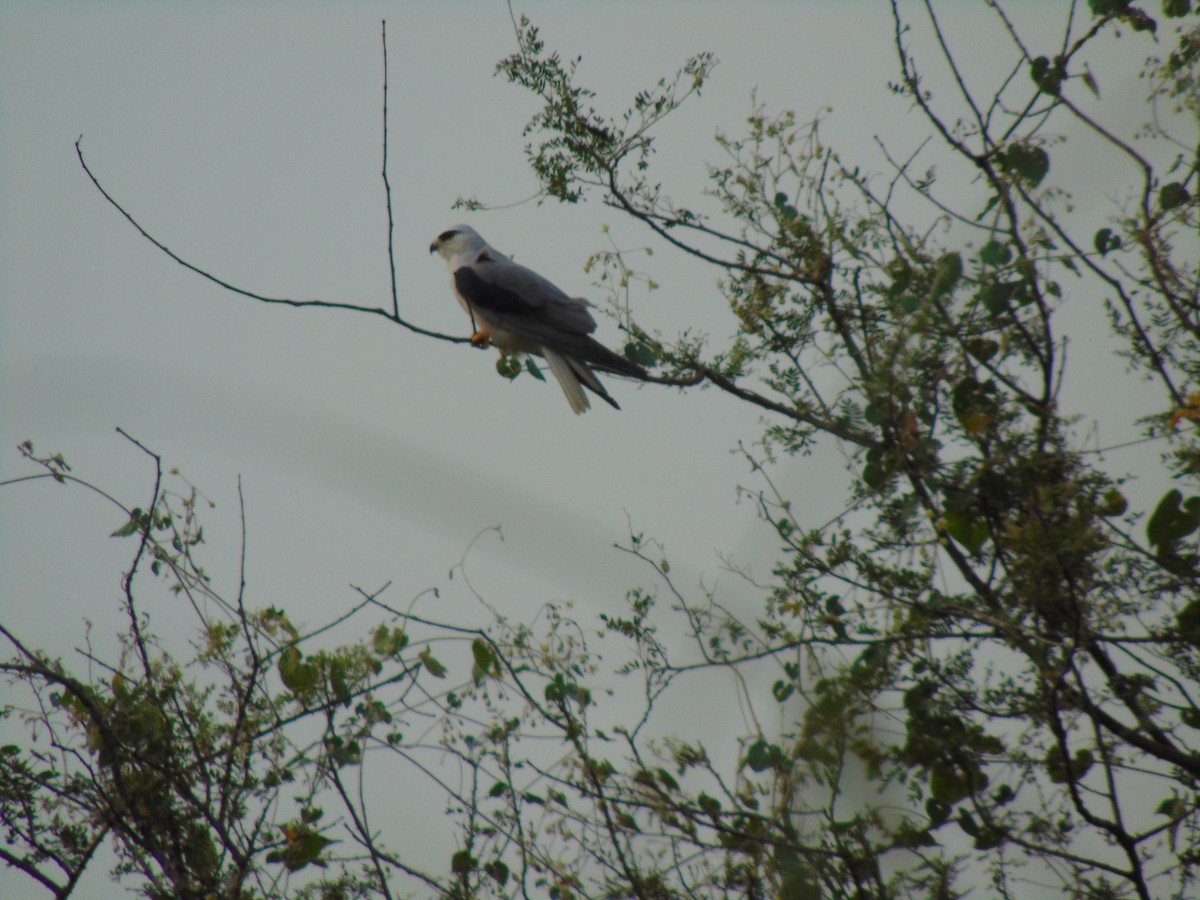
(433, 247)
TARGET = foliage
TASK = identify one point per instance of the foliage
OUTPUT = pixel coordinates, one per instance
(984, 668)
(987, 638)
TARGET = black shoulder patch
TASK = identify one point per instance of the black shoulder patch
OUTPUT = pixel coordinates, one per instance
(486, 296)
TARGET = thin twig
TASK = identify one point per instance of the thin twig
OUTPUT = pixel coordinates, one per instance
(387, 185)
(285, 301)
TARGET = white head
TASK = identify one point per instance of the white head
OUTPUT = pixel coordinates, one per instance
(457, 241)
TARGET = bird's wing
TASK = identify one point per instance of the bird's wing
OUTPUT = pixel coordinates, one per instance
(521, 303)
(520, 300)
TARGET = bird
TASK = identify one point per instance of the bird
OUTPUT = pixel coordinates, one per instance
(518, 311)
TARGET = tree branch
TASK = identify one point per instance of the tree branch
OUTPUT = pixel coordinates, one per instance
(262, 298)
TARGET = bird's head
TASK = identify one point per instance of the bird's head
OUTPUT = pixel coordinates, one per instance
(457, 241)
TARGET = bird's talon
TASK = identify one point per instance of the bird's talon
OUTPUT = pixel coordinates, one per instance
(481, 339)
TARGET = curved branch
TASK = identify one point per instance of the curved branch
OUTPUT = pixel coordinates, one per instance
(284, 301)
(797, 414)
(393, 316)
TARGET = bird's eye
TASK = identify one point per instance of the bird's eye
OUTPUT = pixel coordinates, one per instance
(446, 235)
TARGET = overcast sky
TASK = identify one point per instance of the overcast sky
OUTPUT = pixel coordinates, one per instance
(248, 141)
(247, 138)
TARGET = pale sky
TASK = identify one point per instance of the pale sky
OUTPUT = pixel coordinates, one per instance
(248, 141)
(246, 137)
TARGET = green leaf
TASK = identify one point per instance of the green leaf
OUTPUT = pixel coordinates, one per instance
(310, 814)
(966, 529)
(638, 352)
(297, 676)
(798, 882)
(1113, 503)
(133, 526)
(462, 862)
(1106, 7)
(1175, 9)
(435, 668)
(1138, 20)
(995, 296)
(876, 474)
(1187, 623)
(987, 839)
(1173, 195)
(995, 253)
(901, 274)
(302, 847)
(909, 836)
(937, 811)
(988, 207)
(388, 641)
(508, 366)
(486, 662)
(342, 752)
(710, 806)
(497, 871)
(667, 780)
(337, 682)
(974, 404)
(1176, 808)
(1173, 807)
(1173, 519)
(1105, 241)
(762, 756)
(967, 823)
(876, 413)
(982, 349)
(532, 369)
(946, 273)
(1027, 162)
(787, 212)
(947, 784)
(1047, 75)
(1056, 768)
(560, 690)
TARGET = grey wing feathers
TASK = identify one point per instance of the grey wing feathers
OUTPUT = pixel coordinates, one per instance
(600, 357)
(522, 302)
(505, 288)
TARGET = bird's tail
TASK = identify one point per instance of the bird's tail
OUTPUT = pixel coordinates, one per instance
(599, 356)
(567, 377)
(574, 375)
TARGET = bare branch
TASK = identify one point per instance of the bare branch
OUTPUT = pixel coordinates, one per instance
(232, 288)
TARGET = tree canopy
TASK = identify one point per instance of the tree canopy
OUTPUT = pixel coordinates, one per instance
(984, 668)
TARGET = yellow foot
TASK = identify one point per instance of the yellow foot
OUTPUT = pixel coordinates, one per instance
(481, 339)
